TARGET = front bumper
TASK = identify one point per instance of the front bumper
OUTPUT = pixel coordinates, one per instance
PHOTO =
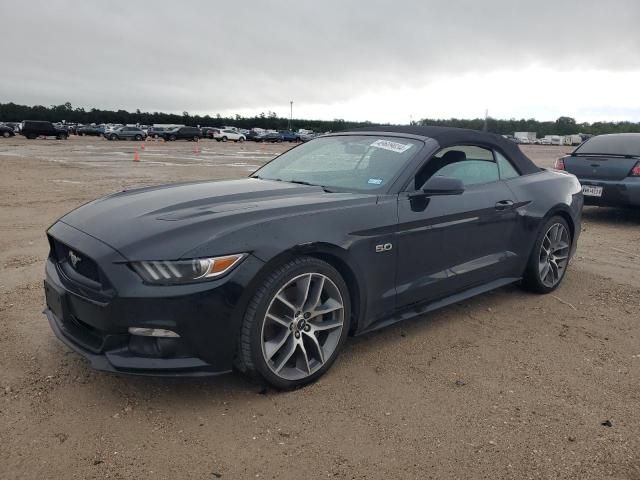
(93, 318)
(614, 192)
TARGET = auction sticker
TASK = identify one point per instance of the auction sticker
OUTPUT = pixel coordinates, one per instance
(392, 146)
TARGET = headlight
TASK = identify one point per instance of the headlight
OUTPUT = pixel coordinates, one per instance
(186, 271)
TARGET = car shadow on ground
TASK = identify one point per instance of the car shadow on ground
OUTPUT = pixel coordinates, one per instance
(173, 390)
(611, 215)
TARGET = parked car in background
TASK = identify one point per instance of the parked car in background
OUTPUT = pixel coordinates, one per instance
(608, 167)
(127, 133)
(95, 130)
(256, 134)
(37, 128)
(207, 132)
(306, 136)
(224, 135)
(289, 136)
(6, 131)
(182, 133)
(155, 132)
(272, 137)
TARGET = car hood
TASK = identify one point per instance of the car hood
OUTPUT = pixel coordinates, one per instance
(169, 221)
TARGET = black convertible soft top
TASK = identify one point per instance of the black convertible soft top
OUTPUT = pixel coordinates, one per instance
(449, 136)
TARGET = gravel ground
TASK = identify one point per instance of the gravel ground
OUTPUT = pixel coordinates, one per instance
(505, 385)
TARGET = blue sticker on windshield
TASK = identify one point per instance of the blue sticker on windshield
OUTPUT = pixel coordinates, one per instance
(375, 181)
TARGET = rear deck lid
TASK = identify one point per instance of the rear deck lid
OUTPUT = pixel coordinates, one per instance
(600, 167)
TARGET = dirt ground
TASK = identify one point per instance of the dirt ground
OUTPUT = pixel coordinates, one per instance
(506, 385)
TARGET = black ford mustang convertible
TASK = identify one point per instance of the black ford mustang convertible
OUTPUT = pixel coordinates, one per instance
(344, 234)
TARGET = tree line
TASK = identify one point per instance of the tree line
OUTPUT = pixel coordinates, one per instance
(11, 112)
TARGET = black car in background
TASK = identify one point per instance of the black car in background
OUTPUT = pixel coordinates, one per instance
(94, 130)
(341, 235)
(6, 131)
(207, 132)
(36, 128)
(182, 133)
(155, 132)
(608, 167)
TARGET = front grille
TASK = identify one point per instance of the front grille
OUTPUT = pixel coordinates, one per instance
(71, 260)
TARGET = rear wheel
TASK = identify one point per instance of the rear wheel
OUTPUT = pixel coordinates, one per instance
(550, 257)
(224, 139)
(6, 134)
(296, 324)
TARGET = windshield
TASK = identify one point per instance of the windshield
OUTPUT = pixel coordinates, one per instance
(622, 144)
(349, 163)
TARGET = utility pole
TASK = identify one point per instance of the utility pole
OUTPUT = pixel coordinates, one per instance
(291, 114)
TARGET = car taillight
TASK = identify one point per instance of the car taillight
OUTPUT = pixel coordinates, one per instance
(559, 164)
(635, 171)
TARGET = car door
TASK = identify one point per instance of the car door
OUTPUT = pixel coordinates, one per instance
(449, 243)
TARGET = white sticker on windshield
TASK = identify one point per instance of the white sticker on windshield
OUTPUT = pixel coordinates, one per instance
(375, 181)
(392, 146)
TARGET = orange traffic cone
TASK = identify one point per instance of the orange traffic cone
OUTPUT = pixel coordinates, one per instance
(142, 146)
(195, 148)
(136, 156)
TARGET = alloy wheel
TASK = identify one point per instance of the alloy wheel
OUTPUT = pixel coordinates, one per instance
(554, 255)
(302, 326)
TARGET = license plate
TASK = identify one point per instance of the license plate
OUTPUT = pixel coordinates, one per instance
(591, 191)
(55, 301)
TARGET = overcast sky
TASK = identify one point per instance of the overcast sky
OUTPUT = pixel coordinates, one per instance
(385, 61)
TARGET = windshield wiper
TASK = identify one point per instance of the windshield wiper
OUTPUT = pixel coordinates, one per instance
(299, 182)
(302, 182)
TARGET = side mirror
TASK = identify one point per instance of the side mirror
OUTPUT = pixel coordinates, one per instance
(438, 185)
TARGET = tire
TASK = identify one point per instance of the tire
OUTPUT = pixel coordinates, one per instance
(6, 134)
(172, 138)
(196, 139)
(155, 135)
(217, 139)
(61, 136)
(224, 139)
(31, 136)
(113, 136)
(138, 138)
(550, 254)
(241, 139)
(291, 345)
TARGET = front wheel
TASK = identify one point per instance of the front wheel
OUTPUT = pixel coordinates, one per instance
(550, 257)
(113, 137)
(241, 139)
(224, 139)
(295, 324)
(6, 134)
(172, 137)
(138, 137)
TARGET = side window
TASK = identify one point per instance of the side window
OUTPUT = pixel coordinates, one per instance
(505, 167)
(473, 165)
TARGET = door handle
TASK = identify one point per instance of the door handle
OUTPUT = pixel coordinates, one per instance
(504, 205)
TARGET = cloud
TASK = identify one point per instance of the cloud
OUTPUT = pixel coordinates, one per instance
(356, 59)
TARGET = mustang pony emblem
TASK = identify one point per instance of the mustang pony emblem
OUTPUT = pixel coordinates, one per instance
(74, 259)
